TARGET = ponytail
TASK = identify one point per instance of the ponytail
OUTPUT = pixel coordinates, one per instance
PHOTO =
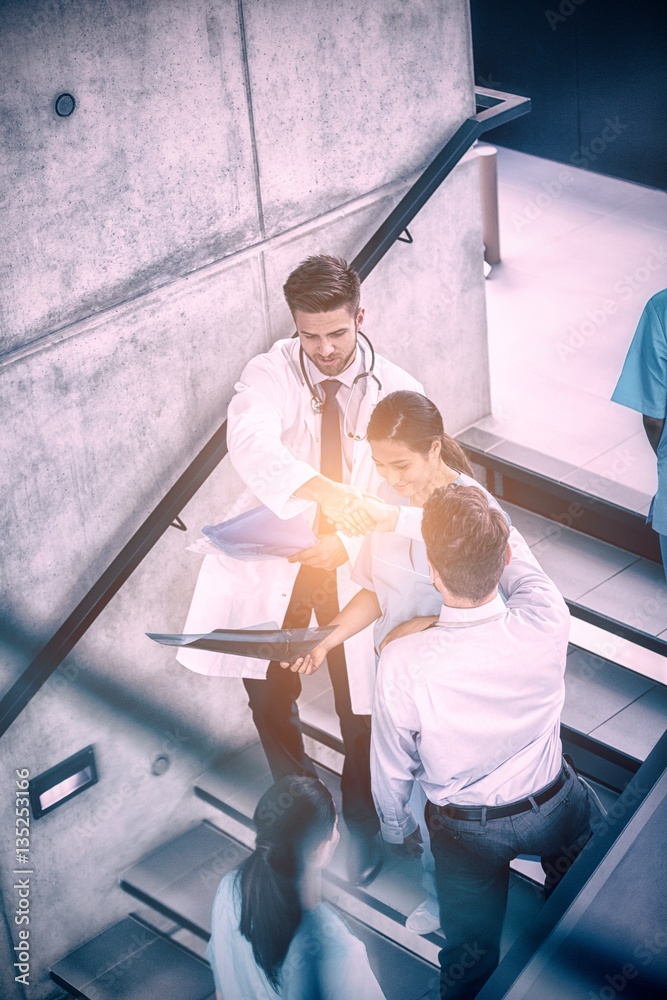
(270, 912)
(293, 818)
(454, 456)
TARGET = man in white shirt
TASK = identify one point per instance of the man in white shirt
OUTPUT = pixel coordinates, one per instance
(470, 707)
(296, 428)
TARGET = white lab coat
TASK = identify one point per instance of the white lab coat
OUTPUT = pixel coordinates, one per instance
(274, 445)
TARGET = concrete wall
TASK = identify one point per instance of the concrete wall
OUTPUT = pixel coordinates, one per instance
(145, 242)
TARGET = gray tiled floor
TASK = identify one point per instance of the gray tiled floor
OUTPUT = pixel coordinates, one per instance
(478, 438)
(637, 595)
(596, 690)
(600, 576)
(636, 729)
(561, 316)
(551, 422)
(533, 527)
(629, 463)
(600, 486)
(578, 563)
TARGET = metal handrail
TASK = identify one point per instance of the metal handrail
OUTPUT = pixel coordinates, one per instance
(500, 108)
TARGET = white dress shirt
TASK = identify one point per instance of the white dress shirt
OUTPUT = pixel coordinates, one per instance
(471, 707)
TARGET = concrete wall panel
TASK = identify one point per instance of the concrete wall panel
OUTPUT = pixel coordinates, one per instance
(347, 102)
(98, 426)
(150, 177)
(429, 301)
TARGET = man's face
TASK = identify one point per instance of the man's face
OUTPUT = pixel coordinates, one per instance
(329, 339)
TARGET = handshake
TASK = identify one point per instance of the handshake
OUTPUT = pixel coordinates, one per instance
(354, 512)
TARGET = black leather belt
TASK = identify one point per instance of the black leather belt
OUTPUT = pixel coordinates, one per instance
(511, 809)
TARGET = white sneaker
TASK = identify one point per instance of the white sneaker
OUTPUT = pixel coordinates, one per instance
(422, 921)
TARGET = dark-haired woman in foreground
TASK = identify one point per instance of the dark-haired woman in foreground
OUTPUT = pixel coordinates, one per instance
(272, 935)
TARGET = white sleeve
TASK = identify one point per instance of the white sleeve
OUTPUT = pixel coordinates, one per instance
(254, 437)
(394, 755)
(409, 522)
(328, 961)
(530, 592)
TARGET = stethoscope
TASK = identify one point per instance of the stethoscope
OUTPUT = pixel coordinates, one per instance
(318, 404)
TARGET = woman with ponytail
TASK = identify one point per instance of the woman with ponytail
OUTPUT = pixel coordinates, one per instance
(414, 456)
(271, 934)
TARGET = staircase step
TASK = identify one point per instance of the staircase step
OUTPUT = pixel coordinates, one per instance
(401, 975)
(601, 507)
(598, 548)
(179, 879)
(235, 784)
(132, 961)
(612, 713)
(606, 584)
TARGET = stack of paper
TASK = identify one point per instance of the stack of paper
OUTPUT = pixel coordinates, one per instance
(261, 534)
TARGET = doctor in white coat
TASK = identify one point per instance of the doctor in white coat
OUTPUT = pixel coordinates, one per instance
(276, 421)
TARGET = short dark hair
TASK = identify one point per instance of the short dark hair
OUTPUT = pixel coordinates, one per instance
(415, 421)
(322, 284)
(466, 540)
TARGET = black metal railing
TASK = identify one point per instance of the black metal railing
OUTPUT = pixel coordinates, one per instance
(496, 109)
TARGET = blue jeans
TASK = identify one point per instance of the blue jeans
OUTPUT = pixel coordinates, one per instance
(663, 550)
(472, 872)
